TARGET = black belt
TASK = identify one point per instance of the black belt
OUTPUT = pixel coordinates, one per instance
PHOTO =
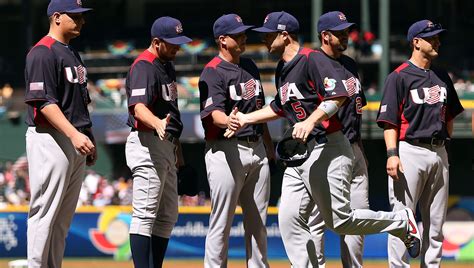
(318, 139)
(427, 141)
(250, 138)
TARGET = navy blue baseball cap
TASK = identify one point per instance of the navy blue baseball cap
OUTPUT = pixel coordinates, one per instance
(229, 24)
(278, 22)
(66, 6)
(170, 30)
(424, 28)
(333, 21)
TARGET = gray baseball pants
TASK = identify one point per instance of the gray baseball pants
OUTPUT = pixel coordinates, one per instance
(324, 179)
(155, 195)
(352, 246)
(56, 172)
(238, 173)
(425, 182)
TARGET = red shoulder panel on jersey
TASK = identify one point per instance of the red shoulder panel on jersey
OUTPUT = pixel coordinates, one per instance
(46, 41)
(213, 63)
(401, 67)
(306, 51)
(145, 56)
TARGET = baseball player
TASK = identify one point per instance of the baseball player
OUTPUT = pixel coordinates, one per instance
(237, 168)
(417, 111)
(59, 142)
(151, 146)
(310, 92)
(333, 30)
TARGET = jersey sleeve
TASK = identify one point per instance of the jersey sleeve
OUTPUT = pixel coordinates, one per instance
(390, 106)
(322, 73)
(141, 84)
(212, 92)
(41, 77)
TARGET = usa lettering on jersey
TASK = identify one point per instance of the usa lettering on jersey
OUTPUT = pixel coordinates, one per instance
(169, 92)
(250, 89)
(79, 76)
(432, 94)
(289, 90)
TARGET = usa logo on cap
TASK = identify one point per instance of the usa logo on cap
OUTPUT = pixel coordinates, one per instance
(238, 19)
(430, 24)
(79, 2)
(342, 16)
(266, 19)
(179, 28)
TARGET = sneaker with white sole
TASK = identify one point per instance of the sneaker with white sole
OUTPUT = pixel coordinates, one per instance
(413, 239)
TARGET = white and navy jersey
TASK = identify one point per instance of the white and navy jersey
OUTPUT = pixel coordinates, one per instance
(419, 102)
(153, 83)
(302, 84)
(223, 86)
(350, 113)
(55, 74)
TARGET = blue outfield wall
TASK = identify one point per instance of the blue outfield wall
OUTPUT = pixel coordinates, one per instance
(104, 232)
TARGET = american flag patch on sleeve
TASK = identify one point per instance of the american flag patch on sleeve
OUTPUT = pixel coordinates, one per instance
(138, 92)
(36, 86)
(383, 108)
(208, 102)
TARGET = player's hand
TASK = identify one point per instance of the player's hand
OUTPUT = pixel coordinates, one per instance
(91, 158)
(229, 133)
(394, 166)
(160, 126)
(233, 122)
(302, 130)
(237, 120)
(82, 143)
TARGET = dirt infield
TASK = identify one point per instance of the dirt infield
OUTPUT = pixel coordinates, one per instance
(107, 263)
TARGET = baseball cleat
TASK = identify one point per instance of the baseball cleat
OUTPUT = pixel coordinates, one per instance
(413, 239)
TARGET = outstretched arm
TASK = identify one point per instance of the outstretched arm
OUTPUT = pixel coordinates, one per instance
(239, 120)
(324, 111)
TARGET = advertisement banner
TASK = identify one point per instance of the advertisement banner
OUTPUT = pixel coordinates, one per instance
(104, 232)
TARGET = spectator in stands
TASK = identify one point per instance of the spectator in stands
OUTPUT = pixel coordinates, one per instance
(22, 186)
(5, 95)
(8, 172)
(3, 187)
(125, 195)
(366, 43)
